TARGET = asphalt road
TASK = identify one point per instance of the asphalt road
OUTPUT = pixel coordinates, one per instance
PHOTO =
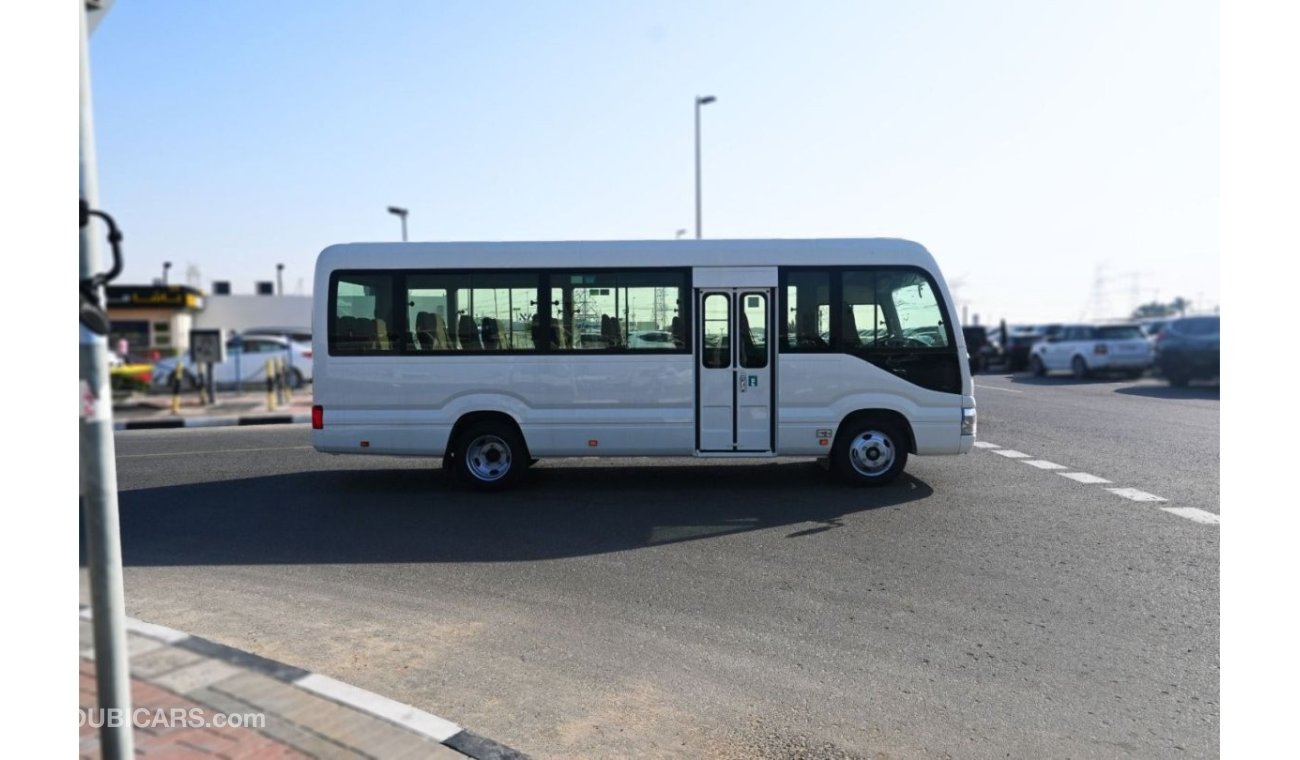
(982, 607)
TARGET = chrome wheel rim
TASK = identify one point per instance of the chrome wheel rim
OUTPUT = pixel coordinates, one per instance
(871, 453)
(488, 458)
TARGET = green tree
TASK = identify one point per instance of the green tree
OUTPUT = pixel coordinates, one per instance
(1151, 310)
(1155, 309)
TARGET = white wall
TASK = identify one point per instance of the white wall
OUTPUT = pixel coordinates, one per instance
(238, 313)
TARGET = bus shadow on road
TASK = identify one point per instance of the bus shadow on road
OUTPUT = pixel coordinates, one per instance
(416, 515)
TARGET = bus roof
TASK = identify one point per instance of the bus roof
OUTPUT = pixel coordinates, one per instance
(627, 253)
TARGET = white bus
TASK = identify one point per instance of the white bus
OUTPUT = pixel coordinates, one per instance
(492, 355)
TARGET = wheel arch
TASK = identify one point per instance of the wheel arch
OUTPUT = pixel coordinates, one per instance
(893, 416)
(468, 419)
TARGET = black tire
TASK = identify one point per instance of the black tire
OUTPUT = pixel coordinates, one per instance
(489, 456)
(1177, 377)
(870, 451)
(294, 379)
(1134, 374)
(1036, 366)
(1080, 368)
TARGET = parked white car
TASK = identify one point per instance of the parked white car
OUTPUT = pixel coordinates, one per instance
(245, 364)
(1085, 350)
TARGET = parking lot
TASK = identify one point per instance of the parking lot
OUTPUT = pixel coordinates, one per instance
(1000, 603)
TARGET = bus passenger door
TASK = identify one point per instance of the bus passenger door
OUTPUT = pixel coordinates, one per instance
(734, 366)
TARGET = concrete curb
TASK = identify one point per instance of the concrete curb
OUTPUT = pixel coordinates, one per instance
(201, 422)
(403, 715)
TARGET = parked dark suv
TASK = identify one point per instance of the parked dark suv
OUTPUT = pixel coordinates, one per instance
(1019, 341)
(982, 347)
(1188, 349)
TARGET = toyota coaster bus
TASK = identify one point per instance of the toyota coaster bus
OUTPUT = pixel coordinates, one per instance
(492, 355)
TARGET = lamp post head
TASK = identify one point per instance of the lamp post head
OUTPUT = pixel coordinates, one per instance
(704, 100)
(397, 210)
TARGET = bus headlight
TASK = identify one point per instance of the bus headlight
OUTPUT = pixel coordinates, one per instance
(968, 421)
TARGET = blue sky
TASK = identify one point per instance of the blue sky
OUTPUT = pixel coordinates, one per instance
(1026, 144)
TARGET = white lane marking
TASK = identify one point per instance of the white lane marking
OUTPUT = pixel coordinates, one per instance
(1194, 514)
(1012, 454)
(1082, 477)
(1136, 495)
(1133, 494)
(997, 389)
(213, 451)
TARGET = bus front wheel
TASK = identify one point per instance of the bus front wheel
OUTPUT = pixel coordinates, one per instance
(870, 452)
(490, 456)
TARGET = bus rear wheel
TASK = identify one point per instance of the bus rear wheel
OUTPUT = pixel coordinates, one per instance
(869, 452)
(490, 456)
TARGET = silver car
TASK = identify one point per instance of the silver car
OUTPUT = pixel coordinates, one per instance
(245, 364)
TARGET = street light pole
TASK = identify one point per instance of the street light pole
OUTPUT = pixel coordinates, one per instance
(279, 279)
(699, 214)
(166, 266)
(400, 212)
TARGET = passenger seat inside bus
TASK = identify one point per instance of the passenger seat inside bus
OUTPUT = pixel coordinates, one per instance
(491, 334)
(422, 338)
(440, 340)
(849, 335)
(355, 334)
(468, 334)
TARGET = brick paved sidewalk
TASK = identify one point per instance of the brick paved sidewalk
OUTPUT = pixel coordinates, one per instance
(194, 698)
(176, 740)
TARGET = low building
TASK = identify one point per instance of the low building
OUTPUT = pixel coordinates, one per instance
(154, 321)
(242, 313)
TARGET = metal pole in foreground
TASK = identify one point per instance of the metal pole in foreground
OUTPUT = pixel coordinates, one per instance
(98, 472)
